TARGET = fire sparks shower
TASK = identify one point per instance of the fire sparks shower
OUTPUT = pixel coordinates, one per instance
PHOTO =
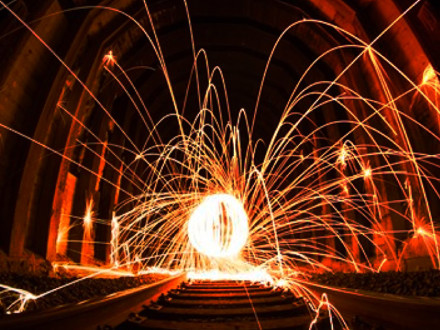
(338, 172)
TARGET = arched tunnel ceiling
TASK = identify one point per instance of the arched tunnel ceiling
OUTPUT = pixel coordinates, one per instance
(238, 38)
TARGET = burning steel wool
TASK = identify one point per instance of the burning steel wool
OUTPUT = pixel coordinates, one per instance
(209, 204)
(218, 227)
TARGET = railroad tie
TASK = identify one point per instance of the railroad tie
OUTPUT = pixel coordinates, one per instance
(225, 305)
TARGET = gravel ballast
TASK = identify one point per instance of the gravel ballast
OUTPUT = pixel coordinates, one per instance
(425, 283)
(80, 291)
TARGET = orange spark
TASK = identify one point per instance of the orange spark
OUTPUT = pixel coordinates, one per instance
(367, 173)
(342, 158)
(109, 59)
(430, 76)
(88, 225)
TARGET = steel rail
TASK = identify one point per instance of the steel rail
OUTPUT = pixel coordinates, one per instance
(93, 313)
(373, 310)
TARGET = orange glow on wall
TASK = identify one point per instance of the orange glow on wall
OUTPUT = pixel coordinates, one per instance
(101, 165)
(66, 209)
(87, 251)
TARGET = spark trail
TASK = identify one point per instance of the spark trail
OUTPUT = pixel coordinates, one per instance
(315, 203)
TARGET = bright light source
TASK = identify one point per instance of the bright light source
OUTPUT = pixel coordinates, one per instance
(367, 173)
(109, 59)
(218, 227)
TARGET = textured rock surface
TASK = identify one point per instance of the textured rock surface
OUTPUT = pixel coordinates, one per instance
(82, 290)
(426, 283)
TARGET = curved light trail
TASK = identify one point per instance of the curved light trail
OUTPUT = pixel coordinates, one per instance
(314, 203)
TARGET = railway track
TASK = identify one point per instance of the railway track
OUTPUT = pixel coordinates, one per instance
(229, 305)
(92, 314)
(225, 305)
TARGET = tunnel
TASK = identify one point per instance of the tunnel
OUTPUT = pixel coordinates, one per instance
(291, 143)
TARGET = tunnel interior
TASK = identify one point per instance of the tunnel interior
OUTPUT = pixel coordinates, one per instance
(118, 118)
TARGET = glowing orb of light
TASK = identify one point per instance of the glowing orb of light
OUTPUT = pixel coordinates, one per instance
(218, 227)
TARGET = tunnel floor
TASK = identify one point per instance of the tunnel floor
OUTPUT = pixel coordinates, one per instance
(225, 305)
